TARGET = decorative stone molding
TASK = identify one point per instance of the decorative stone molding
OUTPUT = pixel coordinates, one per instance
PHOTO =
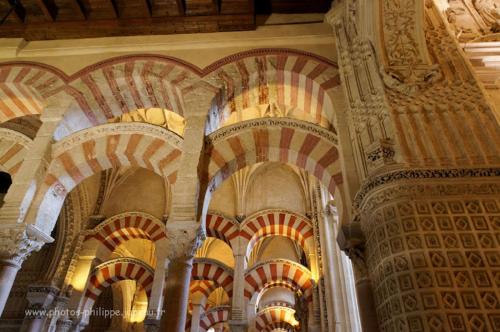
(431, 174)
(19, 241)
(380, 153)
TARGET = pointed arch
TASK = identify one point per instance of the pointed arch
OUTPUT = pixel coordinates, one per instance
(109, 146)
(115, 270)
(278, 271)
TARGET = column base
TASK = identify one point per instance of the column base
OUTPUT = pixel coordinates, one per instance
(151, 325)
(238, 326)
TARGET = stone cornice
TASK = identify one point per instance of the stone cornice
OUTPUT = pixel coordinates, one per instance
(399, 177)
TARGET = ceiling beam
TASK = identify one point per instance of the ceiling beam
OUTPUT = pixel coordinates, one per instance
(48, 8)
(18, 10)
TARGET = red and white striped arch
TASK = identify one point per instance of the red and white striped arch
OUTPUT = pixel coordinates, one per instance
(127, 226)
(278, 223)
(13, 148)
(113, 271)
(212, 270)
(277, 317)
(221, 228)
(278, 271)
(201, 289)
(213, 317)
(24, 88)
(282, 77)
(304, 145)
(116, 86)
(109, 146)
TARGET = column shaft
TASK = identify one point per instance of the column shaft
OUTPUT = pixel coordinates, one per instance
(8, 272)
(177, 294)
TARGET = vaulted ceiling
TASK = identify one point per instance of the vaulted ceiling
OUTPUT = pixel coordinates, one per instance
(60, 19)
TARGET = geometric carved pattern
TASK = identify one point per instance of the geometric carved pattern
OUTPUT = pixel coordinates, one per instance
(435, 264)
(115, 270)
(280, 271)
(126, 226)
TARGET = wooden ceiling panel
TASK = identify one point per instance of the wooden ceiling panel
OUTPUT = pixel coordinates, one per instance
(236, 6)
(201, 7)
(69, 19)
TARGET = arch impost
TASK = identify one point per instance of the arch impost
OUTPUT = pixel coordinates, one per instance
(183, 239)
(231, 130)
(113, 129)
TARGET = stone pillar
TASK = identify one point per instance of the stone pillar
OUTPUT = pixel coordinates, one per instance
(63, 325)
(351, 240)
(238, 321)
(195, 317)
(40, 300)
(16, 244)
(183, 240)
(432, 249)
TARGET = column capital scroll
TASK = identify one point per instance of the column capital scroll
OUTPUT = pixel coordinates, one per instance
(19, 241)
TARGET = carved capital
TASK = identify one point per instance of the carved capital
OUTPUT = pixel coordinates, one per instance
(380, 153)
(184, 239)
(17, 242)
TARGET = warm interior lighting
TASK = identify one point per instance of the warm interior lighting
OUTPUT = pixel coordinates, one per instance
(155, 116)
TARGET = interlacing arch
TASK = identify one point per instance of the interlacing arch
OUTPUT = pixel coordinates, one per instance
(214, 316)
(13, 148)
(91, 151)
(278, 270)
(115, 270)
(279, 82)
(294, 142)
(25, 86)
(214, 271)
(277, 317)
(127, 226)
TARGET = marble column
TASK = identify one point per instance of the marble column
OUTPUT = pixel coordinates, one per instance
(155, 303)
(196, 316)
(177, 294)
(8, 272)
(351, 241)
